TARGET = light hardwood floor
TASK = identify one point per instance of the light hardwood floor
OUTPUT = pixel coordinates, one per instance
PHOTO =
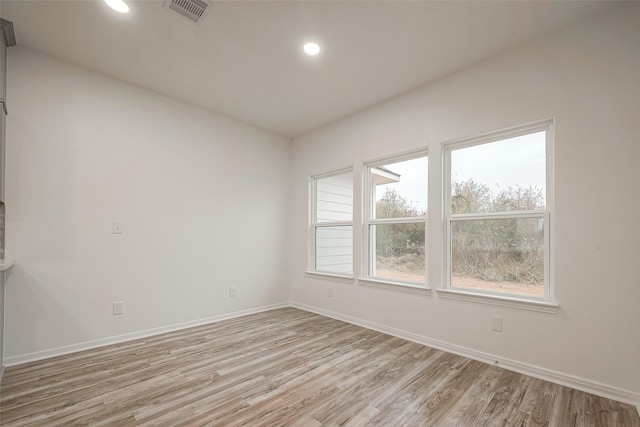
(288, 367)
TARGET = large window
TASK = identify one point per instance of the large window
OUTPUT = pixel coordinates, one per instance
(396, 218)
(332, 223)
(497, 208)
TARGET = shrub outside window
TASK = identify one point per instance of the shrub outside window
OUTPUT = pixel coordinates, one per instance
(332, 223)
(497, 210)
(396, 219)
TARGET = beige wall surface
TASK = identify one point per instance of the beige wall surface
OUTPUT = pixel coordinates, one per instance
(586, 78)
(200, 197)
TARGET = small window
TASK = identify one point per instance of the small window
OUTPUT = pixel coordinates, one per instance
(332, 223)
(396, 220)
(498, 212)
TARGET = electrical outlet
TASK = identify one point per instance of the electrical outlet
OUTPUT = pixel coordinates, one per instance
(118, 307)
(232, 291)
(496, 324)
(330, 292)
(117, 227)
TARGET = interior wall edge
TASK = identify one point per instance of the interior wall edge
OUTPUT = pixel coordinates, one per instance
(588, 386)
(118, 339)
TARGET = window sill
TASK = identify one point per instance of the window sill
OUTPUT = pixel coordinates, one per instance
(396, 286)
(330, 276)
(6, 264)
(501, 301)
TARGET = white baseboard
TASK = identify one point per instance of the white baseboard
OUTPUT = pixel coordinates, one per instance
(582, 384)
(588, 386)
(59, 351)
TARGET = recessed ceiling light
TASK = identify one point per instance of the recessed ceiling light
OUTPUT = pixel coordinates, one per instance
(118, 5)
(311, 49)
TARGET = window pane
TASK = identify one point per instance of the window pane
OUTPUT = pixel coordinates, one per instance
(500, 176)
(501, 255)
(400, 189)
(334, 198)
(334, 249)
(397, 251)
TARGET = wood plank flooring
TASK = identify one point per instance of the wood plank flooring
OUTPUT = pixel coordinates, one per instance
(287, 367)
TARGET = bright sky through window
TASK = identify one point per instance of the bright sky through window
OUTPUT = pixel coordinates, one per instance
(413, 182)
(485, 163)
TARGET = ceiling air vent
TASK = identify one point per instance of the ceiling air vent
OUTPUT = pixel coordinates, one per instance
(191, 9)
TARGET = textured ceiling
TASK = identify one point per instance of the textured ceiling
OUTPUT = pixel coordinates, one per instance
(244, 59)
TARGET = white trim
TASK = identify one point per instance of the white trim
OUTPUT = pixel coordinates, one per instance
(88, 345)
(403, 220)
(502, 300)
(498, 135)
(549, 228)
(514, 300)
(396, 286)
(498, 215)
(588, 386)
(369, 200)
(333, 224)
(582, 384)
(544, 215)
(332, 172)
(395, 158)
(6, 264)
(330, 276)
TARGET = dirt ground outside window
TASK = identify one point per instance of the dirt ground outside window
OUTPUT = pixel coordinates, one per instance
(533, 290)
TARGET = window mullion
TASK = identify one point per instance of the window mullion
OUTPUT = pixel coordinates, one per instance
(499, 215)
(332, 224)
(411, 219)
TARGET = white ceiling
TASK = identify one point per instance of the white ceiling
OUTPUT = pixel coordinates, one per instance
(244, 59)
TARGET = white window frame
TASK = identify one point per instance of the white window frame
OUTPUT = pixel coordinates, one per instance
(369, 207)
(546, 303)
(314, 225)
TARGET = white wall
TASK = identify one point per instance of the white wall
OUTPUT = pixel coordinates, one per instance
(205, 204)
(588, 79)
(204, 201)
